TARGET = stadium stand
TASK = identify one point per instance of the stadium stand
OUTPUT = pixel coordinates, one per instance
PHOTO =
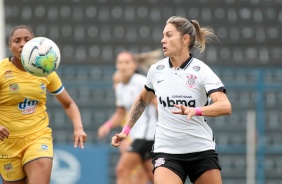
(91, 33)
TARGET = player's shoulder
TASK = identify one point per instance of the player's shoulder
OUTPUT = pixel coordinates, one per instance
(119, 87)
(137, 79)
(52, 76)
(4, 62)
(4, 65)
(137, 76)
(199, 66)
(160, 65)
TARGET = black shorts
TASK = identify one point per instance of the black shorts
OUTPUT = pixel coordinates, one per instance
(190, 164)
(142, 147)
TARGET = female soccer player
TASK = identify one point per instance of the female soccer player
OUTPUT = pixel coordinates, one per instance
(26, 146)
(184, 143)
(139, 152)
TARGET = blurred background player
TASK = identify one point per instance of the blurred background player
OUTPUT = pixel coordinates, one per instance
(26, 144)
(138, 175)
(138, 153)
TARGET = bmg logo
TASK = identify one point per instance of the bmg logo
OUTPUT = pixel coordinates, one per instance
(170, 103)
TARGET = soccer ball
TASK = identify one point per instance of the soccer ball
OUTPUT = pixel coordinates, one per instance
(40, 56)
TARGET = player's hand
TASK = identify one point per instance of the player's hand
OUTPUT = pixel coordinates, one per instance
(103, 131)
(79, 138)
(4, 133)
(184, 111)
(116, 140)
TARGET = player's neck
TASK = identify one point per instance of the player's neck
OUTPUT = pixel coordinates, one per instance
(179, 59)
(126, 80)
(17, 63)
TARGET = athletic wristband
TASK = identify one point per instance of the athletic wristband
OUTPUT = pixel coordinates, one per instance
(198, 111)
(109, 124)
(126, 130)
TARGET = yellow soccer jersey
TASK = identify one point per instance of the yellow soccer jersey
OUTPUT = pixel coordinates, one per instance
(23, 99)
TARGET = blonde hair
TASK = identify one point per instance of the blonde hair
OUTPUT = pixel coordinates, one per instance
(146, 59)
(199, 36)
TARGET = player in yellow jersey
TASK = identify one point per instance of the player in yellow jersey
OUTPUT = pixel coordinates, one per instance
(26, 146)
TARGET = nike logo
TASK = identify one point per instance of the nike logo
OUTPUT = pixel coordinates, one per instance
(160, 81)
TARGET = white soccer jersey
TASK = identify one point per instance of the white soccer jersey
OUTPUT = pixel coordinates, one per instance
(144, 128)
(190, 85)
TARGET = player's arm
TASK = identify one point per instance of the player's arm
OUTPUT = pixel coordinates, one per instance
(220, 106)
(73, 113)
(118, 116)
(115, 120)
(137, 108)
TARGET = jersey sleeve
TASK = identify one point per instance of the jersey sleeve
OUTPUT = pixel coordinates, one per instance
(55, 85)
(118, 94)
(211, 81)
(149, 84)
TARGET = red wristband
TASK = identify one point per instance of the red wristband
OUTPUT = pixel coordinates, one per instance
(108, 124)
(198, 111)
(126, 130)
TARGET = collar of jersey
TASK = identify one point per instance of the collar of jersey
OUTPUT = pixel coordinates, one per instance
(185, 64)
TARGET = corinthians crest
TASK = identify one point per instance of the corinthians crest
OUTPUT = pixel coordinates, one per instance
(191, 80)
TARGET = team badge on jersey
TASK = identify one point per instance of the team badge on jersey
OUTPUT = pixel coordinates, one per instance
(8, 167)
(160, 67)
(159, 162)
(196, 68)
(191, 82)
(14, 87)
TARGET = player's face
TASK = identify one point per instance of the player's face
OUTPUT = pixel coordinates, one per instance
(125, 65)
(18, 40)
(172, 41)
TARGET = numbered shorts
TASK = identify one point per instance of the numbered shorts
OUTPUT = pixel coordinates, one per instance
(142, 147)
(192, 165)
(16, 152)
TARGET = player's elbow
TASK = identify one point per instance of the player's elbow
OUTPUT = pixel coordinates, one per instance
(228, 108)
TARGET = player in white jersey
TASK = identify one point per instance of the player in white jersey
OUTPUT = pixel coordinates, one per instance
(139, 152)
(184, 143)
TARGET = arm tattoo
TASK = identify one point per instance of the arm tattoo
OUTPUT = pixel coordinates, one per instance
(136, 112)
